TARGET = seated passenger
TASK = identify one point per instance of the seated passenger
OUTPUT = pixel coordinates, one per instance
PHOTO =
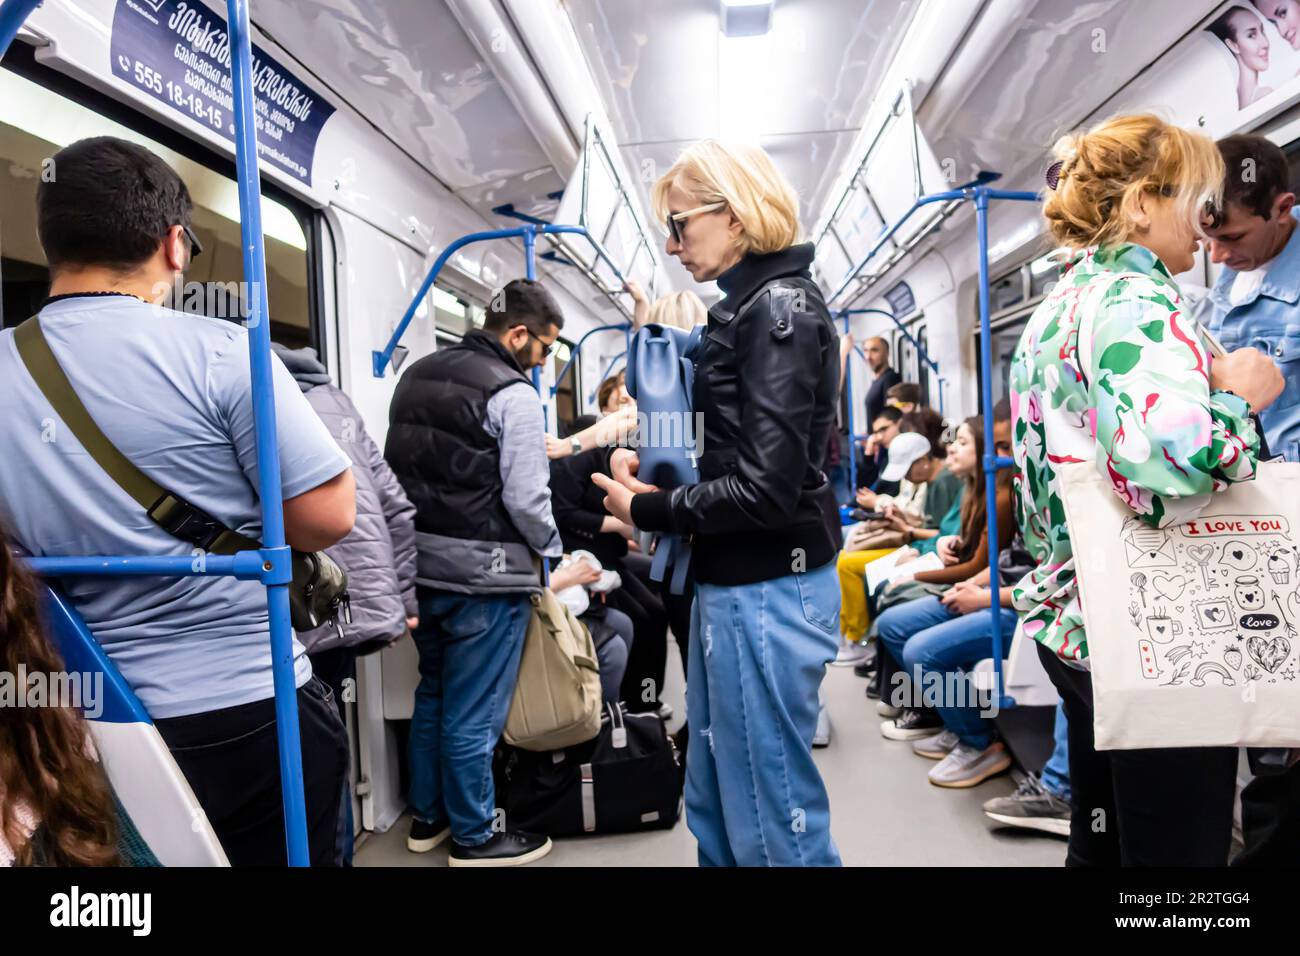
(883, 429)
(913, 456)
(905, 396)
(56, 805)
(911, 602)
(467, 443)
(611, 629)
(115, 227)
(378, 554)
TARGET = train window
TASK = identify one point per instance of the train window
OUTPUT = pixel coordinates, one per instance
(36, 122)
(1007, 292)
(568, 403)
(1043, 274)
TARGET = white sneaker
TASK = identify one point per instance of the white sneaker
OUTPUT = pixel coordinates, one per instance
(885, 709)
(851, 653)
(967, 766)
(822, 735)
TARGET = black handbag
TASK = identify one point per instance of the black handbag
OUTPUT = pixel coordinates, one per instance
(319, 592)
(629, 778)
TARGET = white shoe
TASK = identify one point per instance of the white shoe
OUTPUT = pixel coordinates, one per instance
(851, 653)
(887, 710)
(822, 735)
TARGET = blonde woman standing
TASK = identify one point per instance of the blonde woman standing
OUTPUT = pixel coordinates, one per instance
(1112, 370)
(762, 518)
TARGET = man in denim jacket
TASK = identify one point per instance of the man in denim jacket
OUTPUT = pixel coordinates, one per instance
(1256, 302)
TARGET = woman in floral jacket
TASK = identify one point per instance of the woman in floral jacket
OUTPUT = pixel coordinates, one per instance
(1112, 370)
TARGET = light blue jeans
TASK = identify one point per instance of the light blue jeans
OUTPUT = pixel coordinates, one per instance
(758, 653)
(1056, 772)
(924, 636)
(469, 646)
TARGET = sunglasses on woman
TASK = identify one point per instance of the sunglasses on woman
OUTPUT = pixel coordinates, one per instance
(676, 220)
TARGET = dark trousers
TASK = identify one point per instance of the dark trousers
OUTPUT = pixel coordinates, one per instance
(1270, 820)
(647, 659)
(1157, 807)
(231, 759)
(336, 667)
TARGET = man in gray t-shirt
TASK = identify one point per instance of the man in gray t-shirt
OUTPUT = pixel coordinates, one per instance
(172, 392)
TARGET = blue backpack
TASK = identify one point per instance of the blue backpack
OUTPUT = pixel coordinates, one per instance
(661, 376)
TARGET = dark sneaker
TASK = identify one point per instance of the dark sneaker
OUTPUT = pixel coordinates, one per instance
(864, 670)
(425, 836)
(912, 724)
(1031, 807)
(873, 686)
(512, 848)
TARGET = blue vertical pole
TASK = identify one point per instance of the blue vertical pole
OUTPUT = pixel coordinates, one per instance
(990, 462)
(853, 433)
(268, 458)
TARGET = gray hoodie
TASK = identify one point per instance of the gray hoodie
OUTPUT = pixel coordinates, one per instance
(379, 553)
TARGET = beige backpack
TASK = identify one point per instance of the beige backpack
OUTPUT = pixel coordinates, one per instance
(557, 700)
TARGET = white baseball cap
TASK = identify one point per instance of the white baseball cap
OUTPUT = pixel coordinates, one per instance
(905, 450)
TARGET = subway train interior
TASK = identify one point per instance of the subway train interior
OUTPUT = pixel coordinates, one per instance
(446, 199)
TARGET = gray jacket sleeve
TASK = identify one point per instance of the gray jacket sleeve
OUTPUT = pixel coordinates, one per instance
(399, 513)
(514, 417)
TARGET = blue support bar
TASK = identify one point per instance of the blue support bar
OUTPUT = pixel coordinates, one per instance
(527, 232)
(275, 548)
(12, 16)
(608, 368)
(577, 349)
(246, 565)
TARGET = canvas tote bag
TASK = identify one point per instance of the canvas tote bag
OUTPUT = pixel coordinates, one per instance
(1192, 629)
(557, 700)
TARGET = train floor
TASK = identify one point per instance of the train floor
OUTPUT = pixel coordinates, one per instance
(884, 812)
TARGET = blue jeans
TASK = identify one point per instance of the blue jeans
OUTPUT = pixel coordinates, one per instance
(469, 646)
(1056, 772)
(925, 637)
(839, 479)
(759, 652)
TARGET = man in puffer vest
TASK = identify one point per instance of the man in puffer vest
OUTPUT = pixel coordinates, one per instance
(466, 439)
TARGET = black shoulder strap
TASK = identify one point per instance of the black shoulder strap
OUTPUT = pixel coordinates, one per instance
(170, 512)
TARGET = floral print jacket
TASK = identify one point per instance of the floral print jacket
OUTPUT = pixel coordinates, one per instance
(1142, 409)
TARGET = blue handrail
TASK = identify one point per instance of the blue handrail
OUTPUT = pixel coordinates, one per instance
(577, 350)
(528, 232)
(272, 565)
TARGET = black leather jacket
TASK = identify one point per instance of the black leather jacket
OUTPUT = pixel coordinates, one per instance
(766, 382)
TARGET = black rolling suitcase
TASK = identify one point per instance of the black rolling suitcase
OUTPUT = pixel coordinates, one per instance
(628, 778)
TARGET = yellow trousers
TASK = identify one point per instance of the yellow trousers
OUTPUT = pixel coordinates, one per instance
(852, 565)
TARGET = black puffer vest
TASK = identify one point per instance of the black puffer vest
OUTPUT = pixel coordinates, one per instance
(450, 467)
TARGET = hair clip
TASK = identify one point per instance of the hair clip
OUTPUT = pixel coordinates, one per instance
(1054, 174)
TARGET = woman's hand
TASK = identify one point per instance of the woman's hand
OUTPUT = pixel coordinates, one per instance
(947, 549)
(623, 465)
(866, 499)
(964, 598)
(618, 498)
(574, 573)
(616, 428)
(897, 520)
(640, 304)
(1250, 374)
(905, 555)
(557, 448)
